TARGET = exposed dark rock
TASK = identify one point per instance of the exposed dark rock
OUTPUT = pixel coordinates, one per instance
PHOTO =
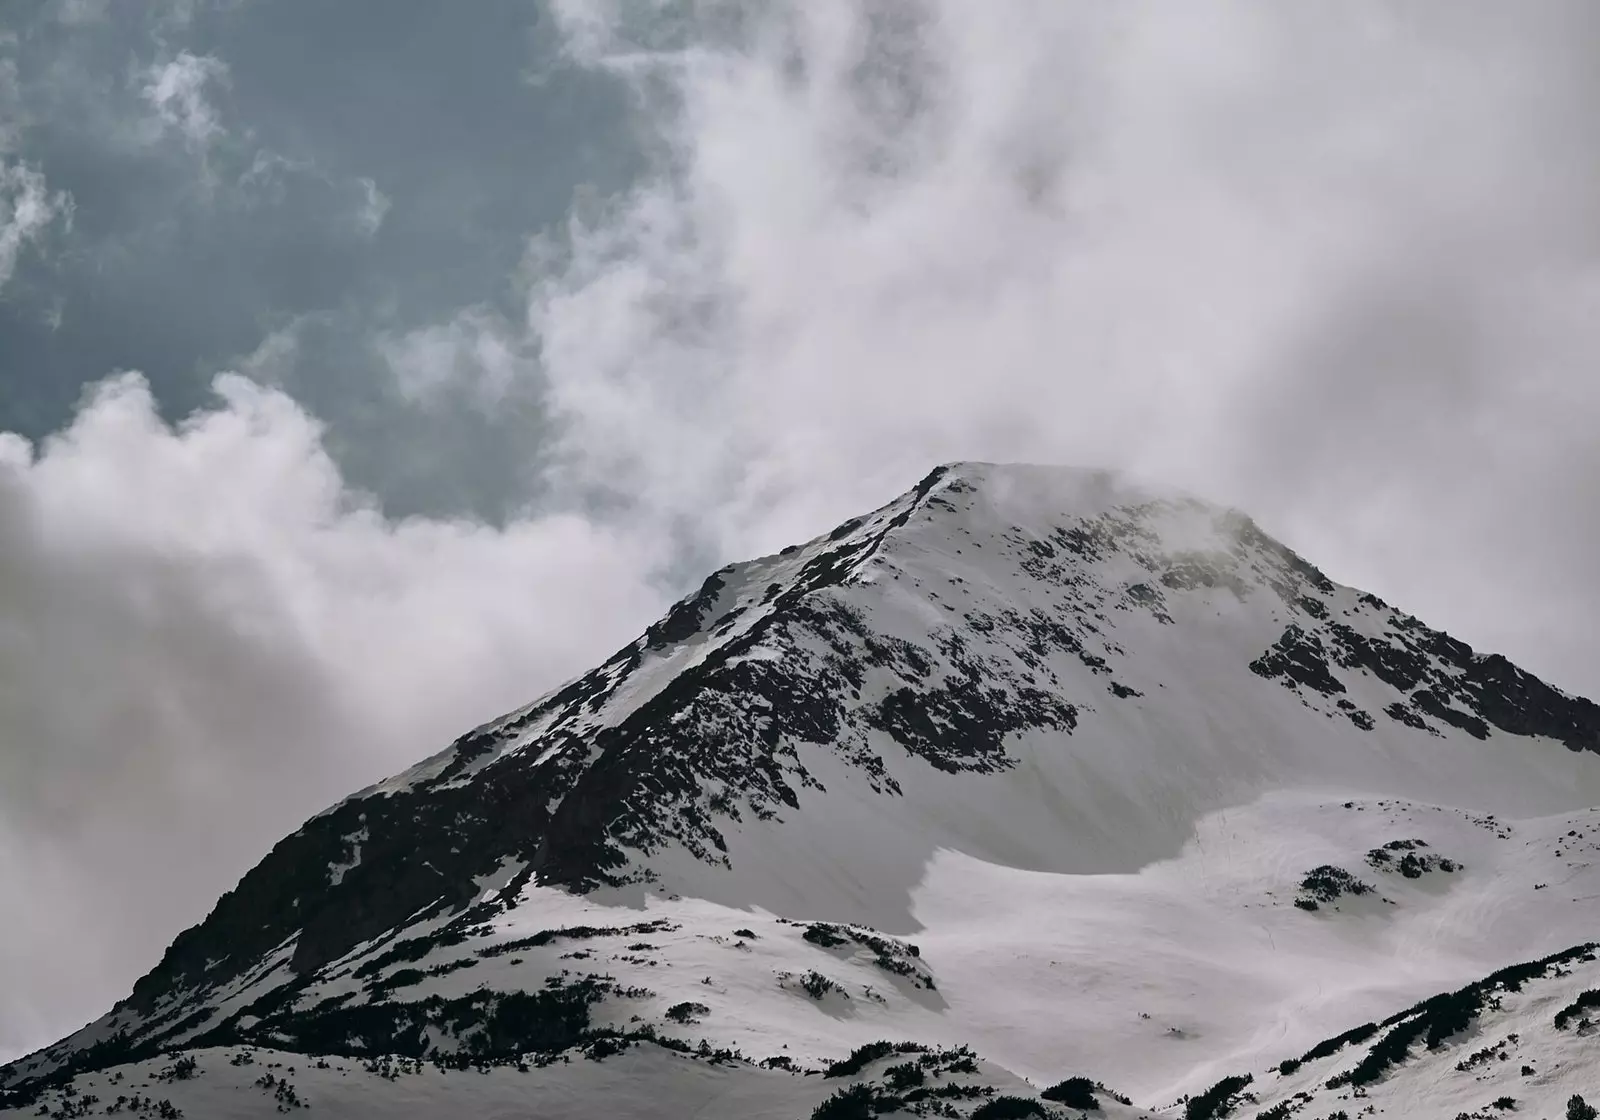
(1298, 658)
(1447, 681)
(686, 617)
(1328, 883)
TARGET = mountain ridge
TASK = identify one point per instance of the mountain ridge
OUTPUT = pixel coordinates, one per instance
(1008, 663)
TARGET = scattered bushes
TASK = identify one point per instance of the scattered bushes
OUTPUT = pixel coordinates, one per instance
(181, 1070)
(817, 985)
(575, 933)
(1008, 1108)
(889, 955)
(1442, 1016)
(1577, 1007)
(862, 1056)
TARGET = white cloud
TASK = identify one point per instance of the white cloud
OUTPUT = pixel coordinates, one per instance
(476, 350)
(177, 91)
(206, 636)
(274, 357)
(266, 179)
(28, 210)
(1338, 265)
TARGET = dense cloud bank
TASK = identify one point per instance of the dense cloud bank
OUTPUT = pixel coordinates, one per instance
(533, 313)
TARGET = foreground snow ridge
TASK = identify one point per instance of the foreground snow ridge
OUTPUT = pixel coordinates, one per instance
(1032, 793)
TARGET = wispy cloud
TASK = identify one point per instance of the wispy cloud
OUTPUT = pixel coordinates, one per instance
(28, 211)
(79, 13)
(374, 207)
(476, 351)
(179, 93)
(12, 116)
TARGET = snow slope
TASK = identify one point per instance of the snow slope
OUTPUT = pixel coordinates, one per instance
(1031, 760)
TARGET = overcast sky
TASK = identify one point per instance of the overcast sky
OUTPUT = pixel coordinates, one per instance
(370, 367)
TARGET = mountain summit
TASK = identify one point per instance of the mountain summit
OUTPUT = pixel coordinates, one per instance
(1155, 798)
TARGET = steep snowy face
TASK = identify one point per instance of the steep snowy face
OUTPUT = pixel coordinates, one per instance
(1043, 669)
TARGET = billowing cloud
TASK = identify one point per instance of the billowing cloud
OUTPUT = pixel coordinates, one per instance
(204, 633)
(1336, 266)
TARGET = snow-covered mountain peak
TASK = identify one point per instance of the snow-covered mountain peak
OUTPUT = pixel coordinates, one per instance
(1007, 683)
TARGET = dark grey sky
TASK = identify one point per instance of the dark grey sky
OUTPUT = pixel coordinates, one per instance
(329, 172)
(366, 368)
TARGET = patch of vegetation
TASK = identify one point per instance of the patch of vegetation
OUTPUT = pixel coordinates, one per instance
(402, 978)
(487, 1023)
(1576, 1008)
(1327, 883)
(825, 935)
(862, 1056)
(1495, 1051)
(855, 1102)
(412, 949)
(1580, 1109)
(1216, 1101)
(575, 933)
(1329, 1047)
(906, 1075)
(1439, 1017)
(1074, 1092)
(687, 1012)
(1008, 1108)
(181, 1070)
(888, 954)
(816, 985)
